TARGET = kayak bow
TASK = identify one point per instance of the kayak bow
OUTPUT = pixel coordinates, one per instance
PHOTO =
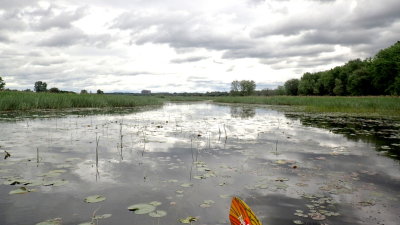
(241, 214)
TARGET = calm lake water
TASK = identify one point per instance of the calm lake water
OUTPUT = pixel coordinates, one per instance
(189, 159)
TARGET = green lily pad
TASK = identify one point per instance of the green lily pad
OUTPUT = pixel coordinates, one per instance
(317, 216)
(158, 213)
(155, 203)
(94, 199)
(188, 219)
(55, 221)
(87, 223)
(21, 190)
(141, 208)
(186, 185)
(224, 196)
(59, 183)
(104, 216)
(298, 222)
(207, 203)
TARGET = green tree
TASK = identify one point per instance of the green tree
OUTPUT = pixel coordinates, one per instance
(359, 82)
(247, 87)
(280, 90)
(243, 87)
(308, 84)
(395, 88)
(386, 69)
(235, 87)
(54, 90)
(339, 87)
(100, 92)
(2, 84)
(292, 86)
(84, 92)
(40, 86)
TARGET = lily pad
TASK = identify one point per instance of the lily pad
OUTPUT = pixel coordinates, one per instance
(158, 213)
(207, 203)
(55, 221)
(95, 198)
(298, 222)
(186, 185)
(224, 196)
(142, 208)
(59, 183)
(104, 216)
(188, 219)
(155, 203)
(21, 190)
(317, 216)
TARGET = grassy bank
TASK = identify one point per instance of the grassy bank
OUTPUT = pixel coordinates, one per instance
(10, 101)
(368, 106)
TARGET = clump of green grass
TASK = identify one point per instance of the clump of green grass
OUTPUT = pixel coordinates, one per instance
(369, 105)
(10, 101)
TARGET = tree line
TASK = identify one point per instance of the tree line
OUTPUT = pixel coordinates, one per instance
(379, 75)
(41, 86)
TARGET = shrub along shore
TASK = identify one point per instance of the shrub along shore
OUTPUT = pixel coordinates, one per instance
(364, 106)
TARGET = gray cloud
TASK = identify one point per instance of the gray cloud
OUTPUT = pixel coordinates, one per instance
(367, 14)
(65, 38)
(48, 62)
(48, 41)
(4, 38)
(189, 59)
(371, 14)
(178, 29)
(279, 52)
(63, 20)
(12, 20)
(337, 37)
(7, 5)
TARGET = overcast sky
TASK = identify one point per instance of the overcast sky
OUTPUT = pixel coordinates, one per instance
(185, 45)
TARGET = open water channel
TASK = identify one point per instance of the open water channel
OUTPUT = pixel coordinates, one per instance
(186, 160)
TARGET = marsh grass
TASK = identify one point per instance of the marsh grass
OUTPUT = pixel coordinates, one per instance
(364, 106)
(10, 101)
(369, 105)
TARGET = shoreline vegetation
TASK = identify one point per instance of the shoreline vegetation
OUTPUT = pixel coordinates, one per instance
(381, 106)
(25, 101)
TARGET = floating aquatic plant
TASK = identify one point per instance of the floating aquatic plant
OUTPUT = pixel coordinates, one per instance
(158, 213)
(94, 199)
(142, 208)
(188, 219)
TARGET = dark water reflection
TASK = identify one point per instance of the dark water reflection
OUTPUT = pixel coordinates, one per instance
(383, 133)
(286, 167)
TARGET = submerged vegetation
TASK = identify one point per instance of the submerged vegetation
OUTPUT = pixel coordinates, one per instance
(31, 101)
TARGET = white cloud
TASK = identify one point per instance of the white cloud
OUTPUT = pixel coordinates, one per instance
(178, 45)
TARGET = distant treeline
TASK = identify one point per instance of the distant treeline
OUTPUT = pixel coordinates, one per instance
(379, 75)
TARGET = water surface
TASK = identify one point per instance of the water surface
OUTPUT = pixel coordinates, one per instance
(288, 168)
